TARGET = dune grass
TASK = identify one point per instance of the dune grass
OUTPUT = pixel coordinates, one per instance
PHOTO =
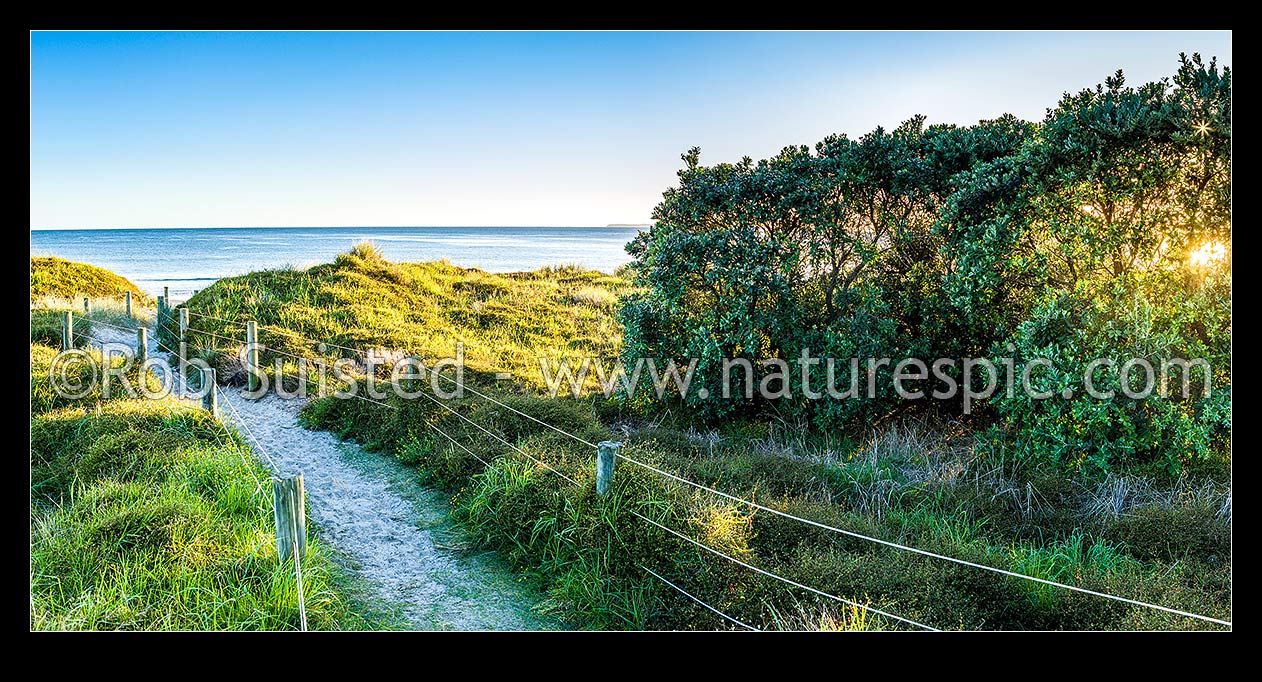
(925, 484)
(59, 285)
(82, 377)
(504, 321)
(62, 279)
(152, 515)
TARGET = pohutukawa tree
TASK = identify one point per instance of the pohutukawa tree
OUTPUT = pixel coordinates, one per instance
(1070, 239)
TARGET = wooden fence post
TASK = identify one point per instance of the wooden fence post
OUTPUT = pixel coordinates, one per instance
(166, 306)
(251, 355)
(290, 510)
(183, 342)
(127, 299)
(87, 306)
(67, 330)
(210, 401)
(606, 455)
(142, 344)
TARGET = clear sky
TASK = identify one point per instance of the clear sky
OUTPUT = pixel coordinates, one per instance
(340, 129)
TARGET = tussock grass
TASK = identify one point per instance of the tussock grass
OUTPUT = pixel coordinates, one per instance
(46, 328)
(594, 297)
(1066, 561)
(366, 250)
(811, 617)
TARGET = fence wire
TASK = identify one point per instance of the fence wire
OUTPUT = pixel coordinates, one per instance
(699, 486)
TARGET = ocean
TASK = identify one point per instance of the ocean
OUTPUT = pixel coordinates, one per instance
(186, 260)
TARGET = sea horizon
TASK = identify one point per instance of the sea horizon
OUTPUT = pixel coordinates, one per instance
(186, 259)
(609, 226)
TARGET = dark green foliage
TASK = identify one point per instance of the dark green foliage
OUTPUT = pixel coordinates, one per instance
(1174, 534)
(1158, 320)
(1127, 184)
(805, 251)
(1071, 239)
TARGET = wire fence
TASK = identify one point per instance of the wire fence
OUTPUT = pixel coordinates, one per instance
(668, 475)
(687, 594)
(212, 317)
(449, 438)
(776, 576)
(777, 512)
(94, 321)
(182, 389)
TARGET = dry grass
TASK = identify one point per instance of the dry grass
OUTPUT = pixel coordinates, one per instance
(110, 310)
(1120, 494)
(594, 297)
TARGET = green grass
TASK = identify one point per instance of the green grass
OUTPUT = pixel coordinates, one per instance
(585, 551)
(46, 328)
(924, 484)
(58, 278)
(82, 378)
(152, 515)
(1067, 561)
(505, 321)
(59, 285)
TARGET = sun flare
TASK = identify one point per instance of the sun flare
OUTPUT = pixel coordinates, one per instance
(1208, 253)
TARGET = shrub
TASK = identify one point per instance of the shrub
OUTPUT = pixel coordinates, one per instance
(1072, 238)
(1154, 320)
(1174, 534)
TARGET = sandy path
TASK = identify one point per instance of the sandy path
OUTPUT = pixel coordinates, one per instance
(372, 511)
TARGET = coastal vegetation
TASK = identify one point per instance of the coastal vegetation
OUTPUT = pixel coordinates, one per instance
(1099, 235)
(503, 322)
(53, 277)
(1102, 231)
(59, 285)
(152, 514)
(926, 480)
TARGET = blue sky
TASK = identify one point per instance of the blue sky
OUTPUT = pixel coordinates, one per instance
(504, 128)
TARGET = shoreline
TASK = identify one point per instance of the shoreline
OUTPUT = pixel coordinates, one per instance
(189, 259)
